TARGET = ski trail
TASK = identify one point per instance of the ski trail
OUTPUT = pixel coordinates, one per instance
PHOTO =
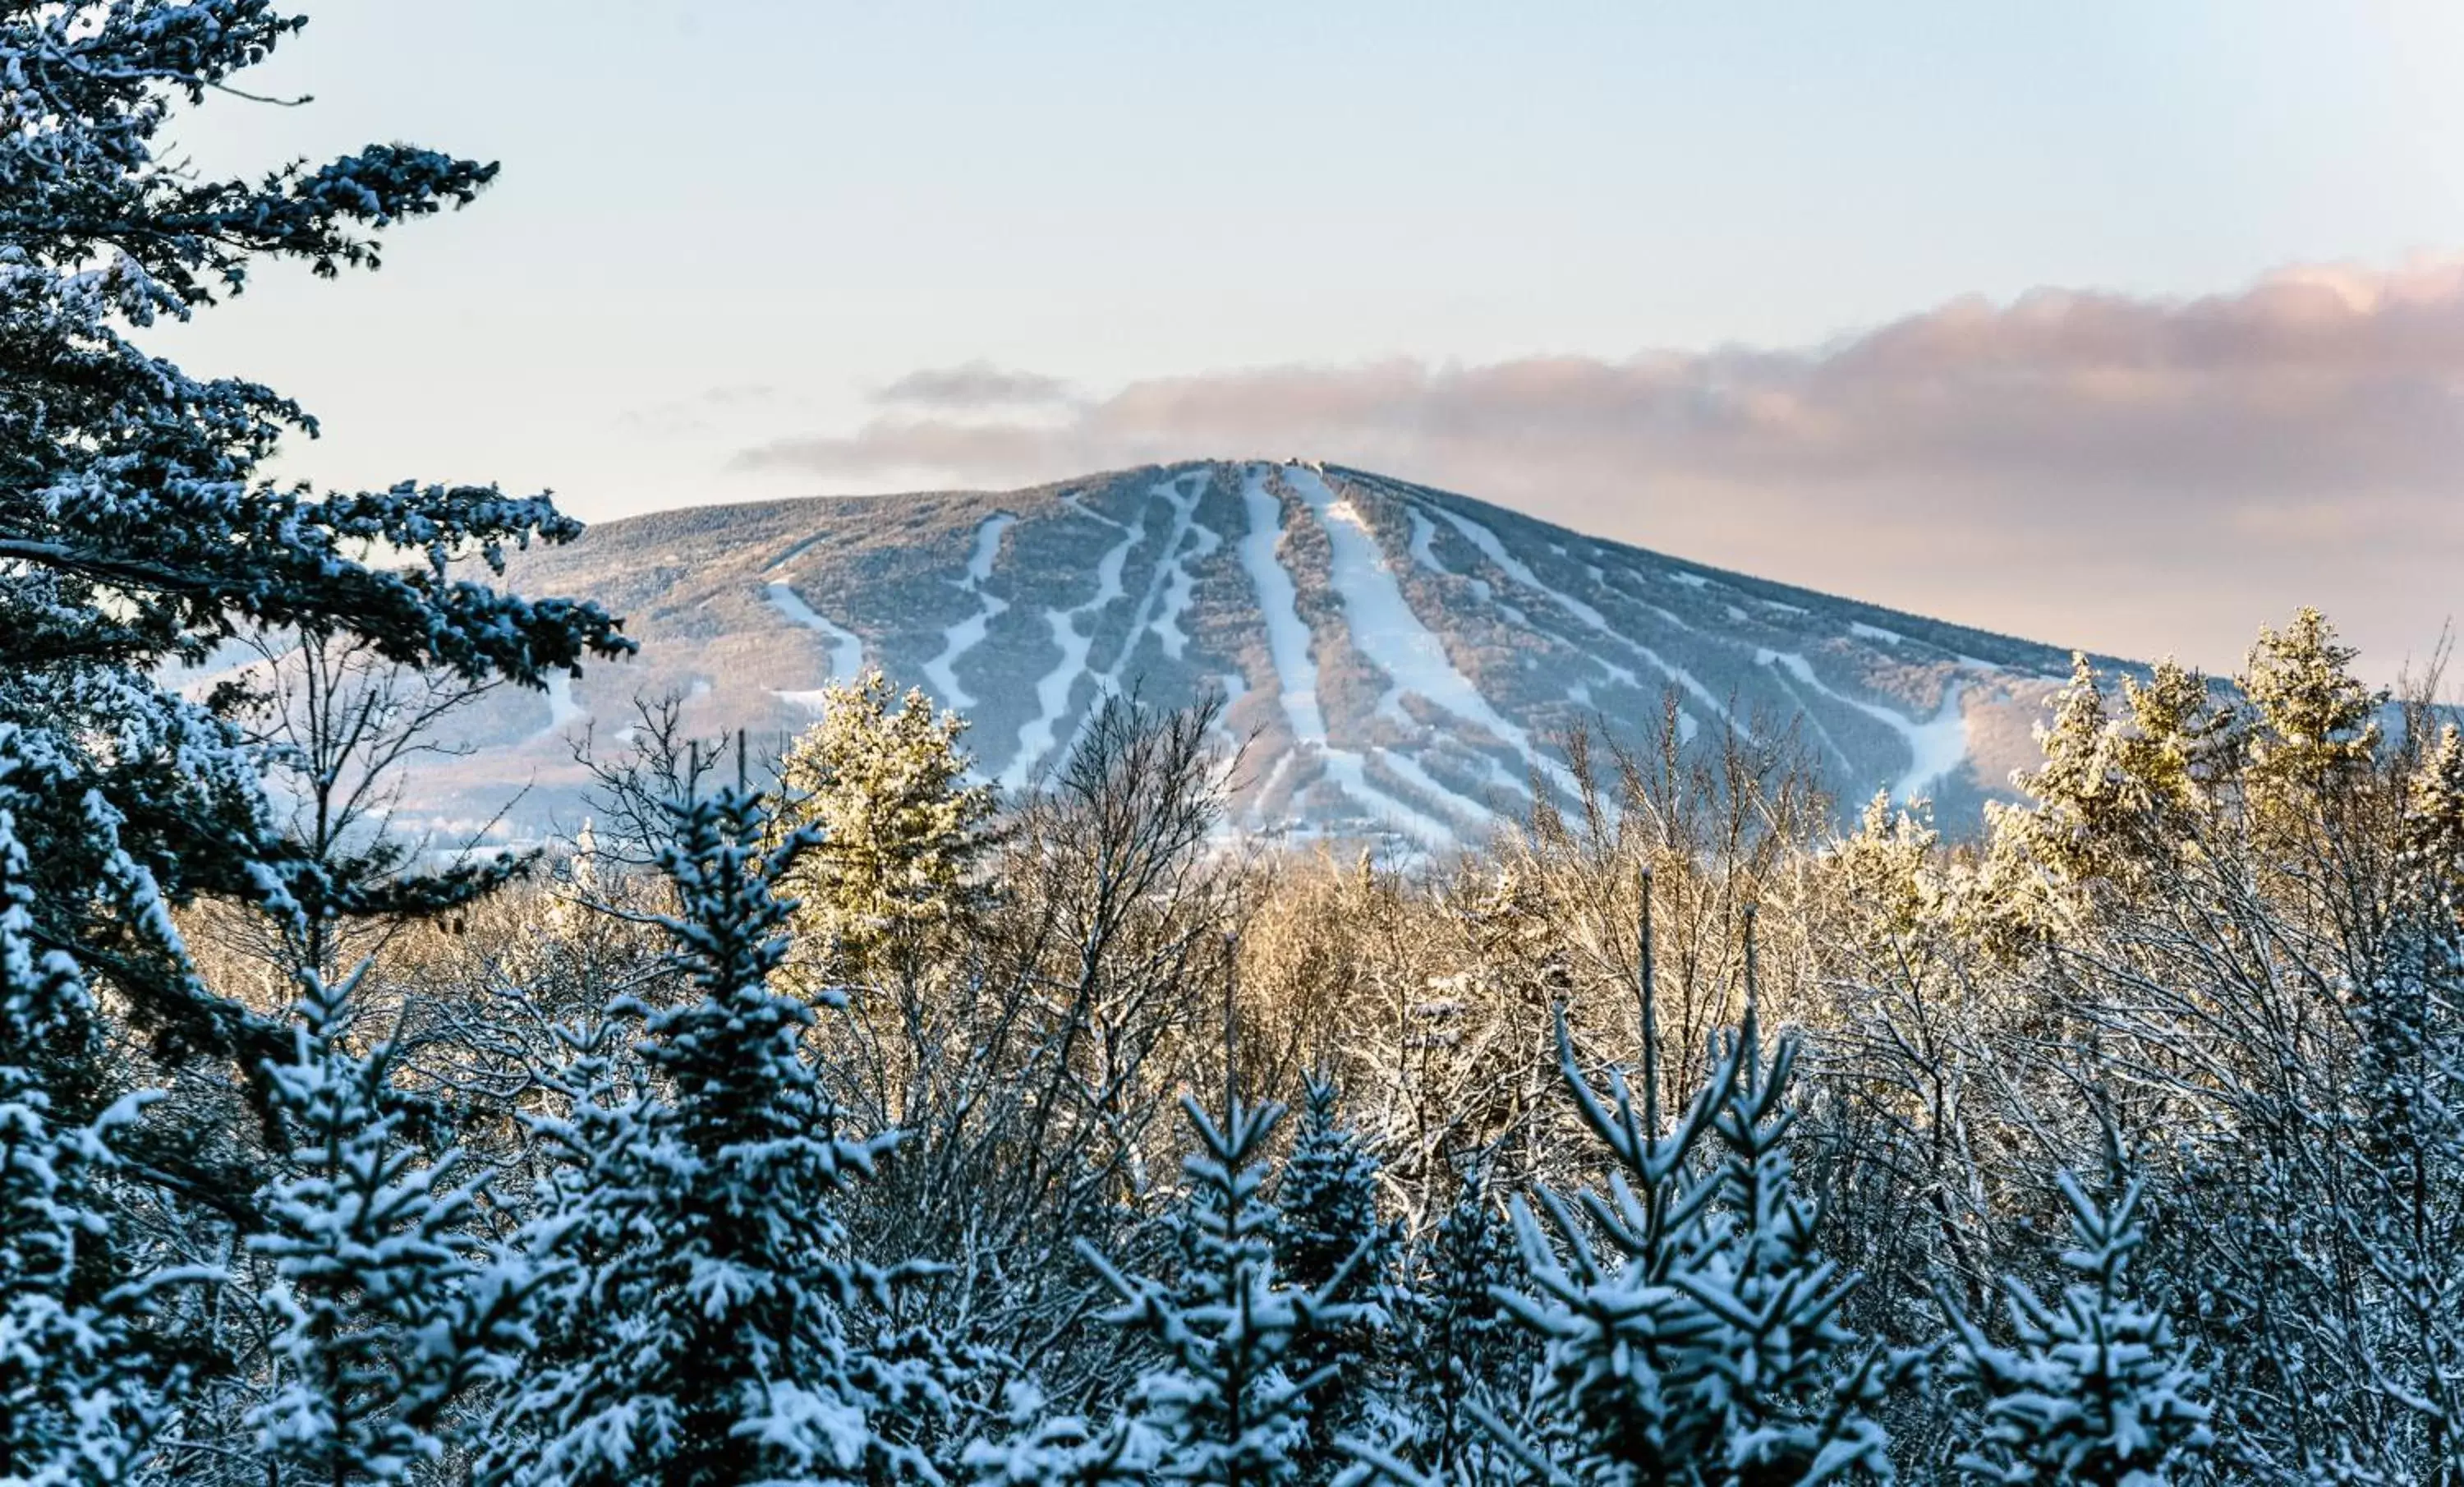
(1350, 771)
(1154, 610)
(1936, 746)
(794, 552)
(1423, 535)
(847, 650)
(1037, 736)
(1180, 586)
(1762, 659)
(1453, 801)
(1274, 776)
(1410, 652)
(1287, 645)
(1287, 636)
(965, 635)
(1515, 568)
(1155, 613)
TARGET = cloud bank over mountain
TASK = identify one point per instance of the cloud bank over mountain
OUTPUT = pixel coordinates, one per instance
(2126, 472)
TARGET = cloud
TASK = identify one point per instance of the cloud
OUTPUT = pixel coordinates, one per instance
(975, 385)
(2137, 475)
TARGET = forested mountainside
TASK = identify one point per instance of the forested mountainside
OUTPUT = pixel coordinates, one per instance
(1406, 660)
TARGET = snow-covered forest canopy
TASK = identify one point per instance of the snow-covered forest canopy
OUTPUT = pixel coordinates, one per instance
(833, 1119)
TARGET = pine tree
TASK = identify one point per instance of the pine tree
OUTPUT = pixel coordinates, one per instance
(78, 1391)
(2312, 724)
(1330, 1242)
(1795, 1384)
(388, 1305)
(2072, 826)
(1690, 1322)
(900, 831)
(1226, 1403)
(2095, 1391)
(1458, 1345)
(706, 1331)
(1885, 870)
(1045, 1450)
(138, 532)
(2168, 753)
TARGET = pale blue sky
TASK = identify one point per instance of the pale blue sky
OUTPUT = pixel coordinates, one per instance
(723, 225)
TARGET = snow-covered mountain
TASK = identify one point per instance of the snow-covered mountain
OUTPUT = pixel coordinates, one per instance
(1406, 659)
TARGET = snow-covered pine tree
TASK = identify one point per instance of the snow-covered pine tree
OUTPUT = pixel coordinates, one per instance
(2095, 1391)
(1045, 1450)
(1330, 1242)
(1690, 1325)
(137, 530)
(79, 1402)
(1457, 1345)
(901, 828)
(702, 1334)
(388, 1305)
(1225, 1401)
(1797, 1378)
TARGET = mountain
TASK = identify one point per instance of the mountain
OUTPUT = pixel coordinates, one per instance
(1406, 657)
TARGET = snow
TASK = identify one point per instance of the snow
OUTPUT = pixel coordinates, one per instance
(1689, 580)
(1424, 533)
(1287, 634)
(796, 551)
(1267, 786)
(1936, 747)
(1168, 589)
(1038, 735)
(1235, 687)
(941, 671)
(1807, 714)
(1287, 643)
(1351, 771)
(1425, 553)
(1179, 584)
(816, 699)
(1385, 627)
(1515, 568)
(1409, 771)
(562, 711)
(1860, 629)
(847, 650)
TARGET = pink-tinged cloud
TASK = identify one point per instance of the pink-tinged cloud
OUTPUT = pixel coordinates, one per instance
(975, 385)
(2136, 475)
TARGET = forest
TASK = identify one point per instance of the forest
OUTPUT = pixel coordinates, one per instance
(833, 1118)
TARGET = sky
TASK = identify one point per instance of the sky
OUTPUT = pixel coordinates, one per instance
(2121, 325)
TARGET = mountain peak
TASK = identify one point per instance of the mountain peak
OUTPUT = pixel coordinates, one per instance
(1402, 660)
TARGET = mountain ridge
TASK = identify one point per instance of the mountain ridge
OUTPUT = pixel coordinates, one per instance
(1406, 658)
